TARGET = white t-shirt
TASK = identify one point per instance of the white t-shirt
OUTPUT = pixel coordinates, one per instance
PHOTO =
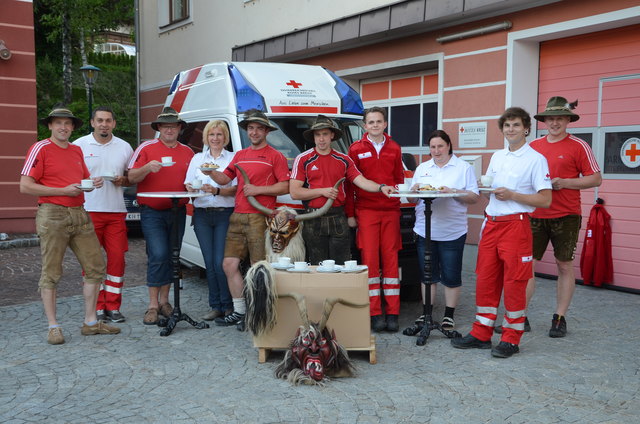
(449, 216)
(102, 159)
(193, 173)
(524, 171)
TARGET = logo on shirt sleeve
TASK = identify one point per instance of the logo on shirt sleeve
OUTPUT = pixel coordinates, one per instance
(364, 155)
(526, 259)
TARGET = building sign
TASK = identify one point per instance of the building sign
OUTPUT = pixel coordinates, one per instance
(472, 135)
(622, 153)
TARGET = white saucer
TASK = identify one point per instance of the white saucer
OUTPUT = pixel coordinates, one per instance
(84, 189)
(108, 177)
(336, 268)
(202, 168)
(276, 265)
(487, 189)
(299, 270)
(358, 268)
(168, 163)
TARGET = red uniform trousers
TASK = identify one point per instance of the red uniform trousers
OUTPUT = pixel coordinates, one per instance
(504, 263)
(112, 234)
(379, 239)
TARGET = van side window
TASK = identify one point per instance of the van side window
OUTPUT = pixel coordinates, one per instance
(192, 136)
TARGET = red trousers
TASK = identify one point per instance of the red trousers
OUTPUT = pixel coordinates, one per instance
(504, 263)
(112, 234)
(378, 239)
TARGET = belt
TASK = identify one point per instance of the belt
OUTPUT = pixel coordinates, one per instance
(221, 209)
(332, 211)
(504, 218)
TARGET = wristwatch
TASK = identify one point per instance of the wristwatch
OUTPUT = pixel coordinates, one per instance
(380, 188)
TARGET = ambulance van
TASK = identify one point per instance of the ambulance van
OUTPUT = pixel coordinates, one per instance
(291, 95)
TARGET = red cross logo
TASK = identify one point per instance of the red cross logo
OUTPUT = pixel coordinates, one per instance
(294, 84)
(632, 152)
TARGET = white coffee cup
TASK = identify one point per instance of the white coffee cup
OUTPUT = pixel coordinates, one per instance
(486, 180)
(197, 183)
(300, 266)
(167, 159)
(403, 187)
(350, 264)
(328, 264)
(284, 261)
(86, 183)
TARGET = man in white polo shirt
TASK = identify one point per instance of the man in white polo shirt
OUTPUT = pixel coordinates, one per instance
(522, 183)
(107, 156)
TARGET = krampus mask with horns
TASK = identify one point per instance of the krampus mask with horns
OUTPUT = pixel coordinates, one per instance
(283, 223)
(314, 354)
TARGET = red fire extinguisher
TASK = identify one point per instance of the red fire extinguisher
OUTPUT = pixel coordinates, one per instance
(596, 264)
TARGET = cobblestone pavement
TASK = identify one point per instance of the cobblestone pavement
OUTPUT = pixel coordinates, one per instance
(212, 375)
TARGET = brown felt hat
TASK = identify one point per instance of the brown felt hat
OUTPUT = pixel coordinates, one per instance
(168, 116)
(61, 112)
(321, 123)
(255, 115)
(558, 106)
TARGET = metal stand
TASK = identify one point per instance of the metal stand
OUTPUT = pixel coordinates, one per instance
(177, 315)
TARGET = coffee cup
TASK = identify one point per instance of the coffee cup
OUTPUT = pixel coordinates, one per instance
(167, 159)
(300, 266)
(350, 264)
(328, 264)
(403, 187)
(486, 180)
(284, 261)
(86, 183)
(197, 183)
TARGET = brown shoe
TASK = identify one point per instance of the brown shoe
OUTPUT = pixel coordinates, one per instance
(98, 328)
(55, 336)
(151, 317)
(166, 310)
(213, 314)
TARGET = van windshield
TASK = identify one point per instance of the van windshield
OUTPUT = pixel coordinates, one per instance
(290, 142)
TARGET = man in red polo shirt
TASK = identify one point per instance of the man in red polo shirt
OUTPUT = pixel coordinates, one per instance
(314, 174)
(377, 217)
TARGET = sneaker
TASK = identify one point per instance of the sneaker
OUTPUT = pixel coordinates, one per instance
(166, 310)
(98, 328)
(55, 336)
(558, 326)
(448, 324)
(240, 325)
(527, 327)
(392, 323)
(232, 319)
(469, 342)
(150, 317)
(378, 323)
(114, 316)
(504, 350)
(100, 315)
(213, 314)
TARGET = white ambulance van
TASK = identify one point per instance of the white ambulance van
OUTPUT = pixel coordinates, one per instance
(291, 95)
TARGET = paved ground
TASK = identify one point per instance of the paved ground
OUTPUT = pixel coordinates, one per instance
(212, 375)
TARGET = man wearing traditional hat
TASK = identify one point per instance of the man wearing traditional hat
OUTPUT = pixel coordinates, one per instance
(53, 171)
(151, 173)
(573, 167)
(108, 156)
(269, 177)
(313, 176)
(377, 217)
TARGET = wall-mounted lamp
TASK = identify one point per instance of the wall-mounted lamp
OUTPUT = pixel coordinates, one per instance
(475, 32)
(5, 53)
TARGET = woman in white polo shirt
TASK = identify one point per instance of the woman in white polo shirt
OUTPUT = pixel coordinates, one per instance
(448, 221)
(211, 214)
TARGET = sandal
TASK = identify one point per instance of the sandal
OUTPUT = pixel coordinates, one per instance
(151, 317)
(448, 324)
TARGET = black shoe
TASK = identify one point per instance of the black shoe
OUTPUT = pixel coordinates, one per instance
(415, 328)
(558, 326)
(229, 320)
(115, 316)
(240, 325)
(392, 323)
(100, 315)
(469, 342)
(527, 327)
(378, 323)
(504, 350)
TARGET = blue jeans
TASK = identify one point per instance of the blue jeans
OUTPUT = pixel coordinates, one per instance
(446, 260)
(157, 227)
(211, 227)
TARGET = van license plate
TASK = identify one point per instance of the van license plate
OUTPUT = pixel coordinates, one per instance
(133, 216)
